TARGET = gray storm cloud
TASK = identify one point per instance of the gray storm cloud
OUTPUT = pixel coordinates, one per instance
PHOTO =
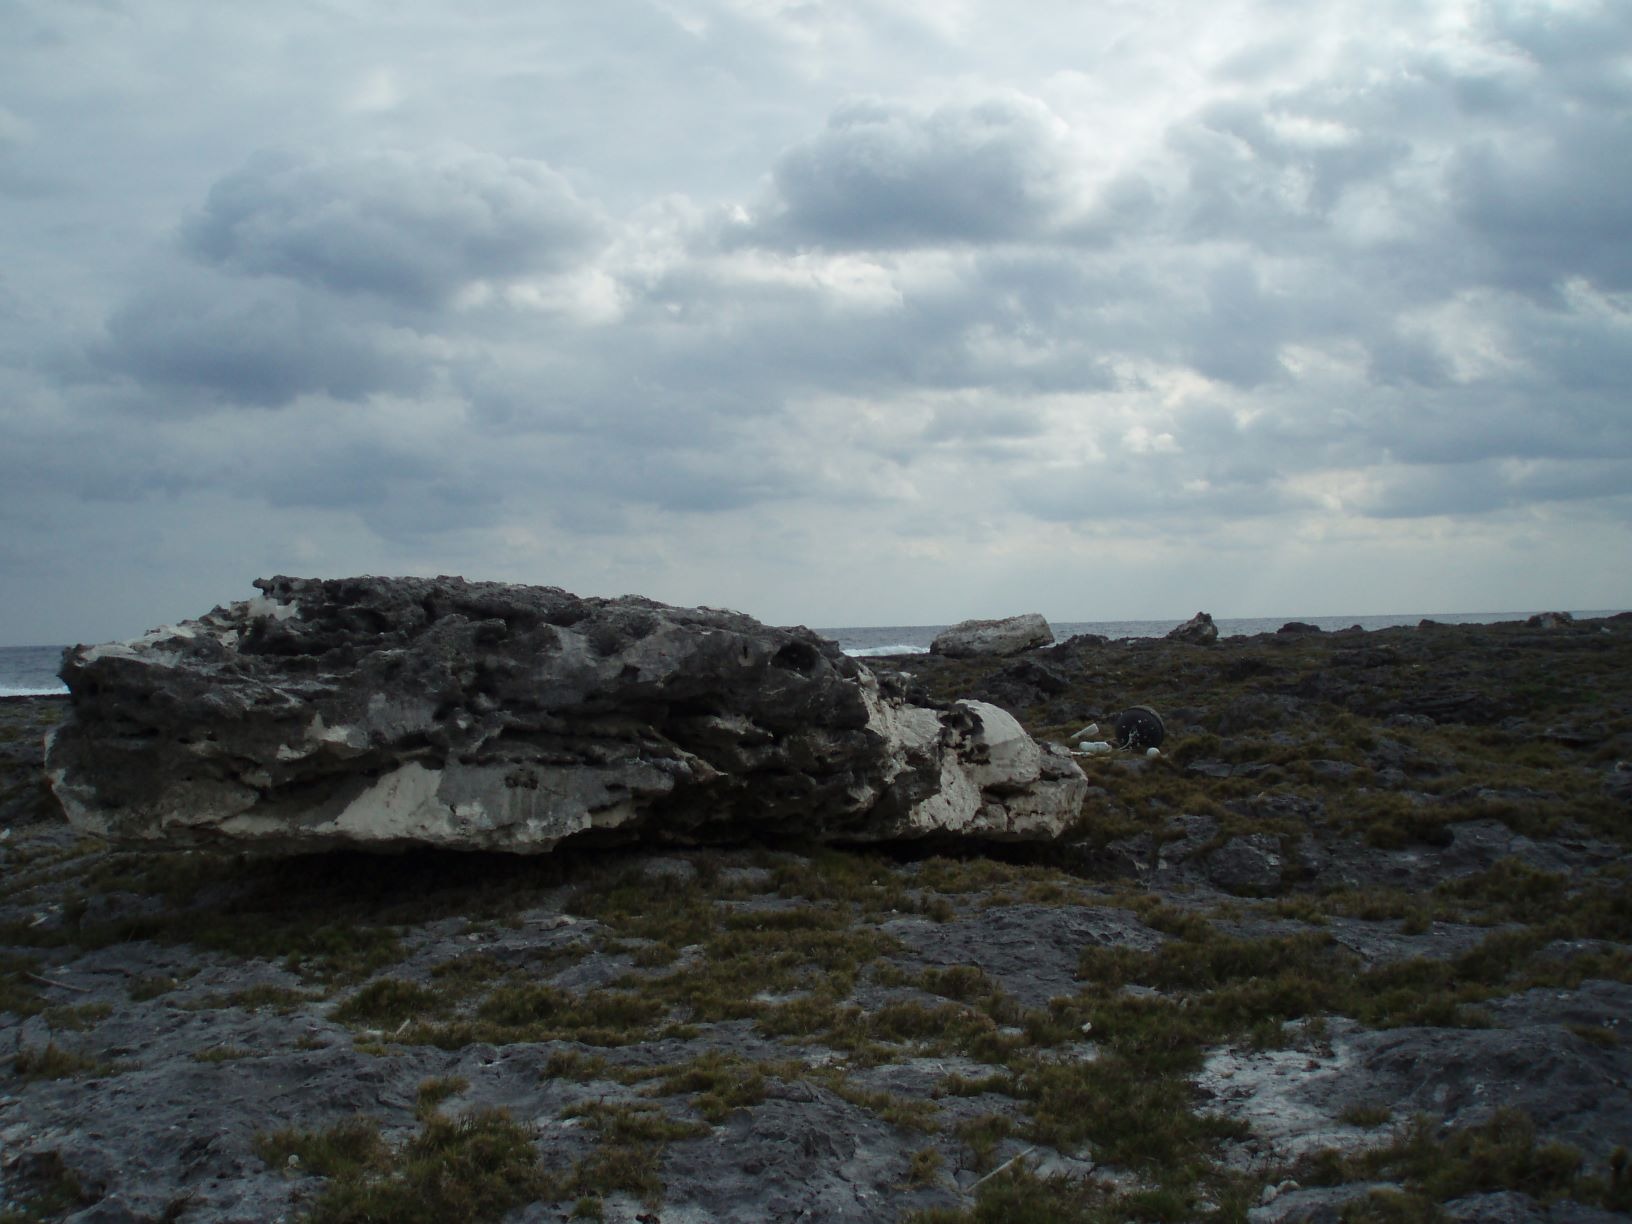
(257, 345)
(661, 300)
(414, 228)
(885, 175)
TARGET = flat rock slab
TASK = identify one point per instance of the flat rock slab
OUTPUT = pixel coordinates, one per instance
(1030, 950)
(1575, 1089)
(986, 638)
(804, 1154)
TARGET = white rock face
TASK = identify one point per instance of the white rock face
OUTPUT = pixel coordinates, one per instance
(435, 712)
(1009, 636)
(1198, 629)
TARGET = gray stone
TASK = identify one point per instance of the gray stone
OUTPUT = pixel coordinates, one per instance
(1317, 1205)
(1198, 629)
(1575, 1090)
(982, 638)
(1618, 781)
(1247, 866)
(803, 1154)
(1511, 1207)
(435, 712)
(1550, 620)
(1469, 847)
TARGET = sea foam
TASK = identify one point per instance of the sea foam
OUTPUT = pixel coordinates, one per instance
(8, 690)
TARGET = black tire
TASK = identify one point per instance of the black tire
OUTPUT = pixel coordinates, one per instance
(1140, 727)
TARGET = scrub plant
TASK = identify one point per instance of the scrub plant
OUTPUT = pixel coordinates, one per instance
(476, 1166)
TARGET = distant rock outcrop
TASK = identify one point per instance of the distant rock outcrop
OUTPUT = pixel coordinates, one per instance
(438, 712)
(1198, 629)
(1296, 629)
(1550, 620)
(980, 638)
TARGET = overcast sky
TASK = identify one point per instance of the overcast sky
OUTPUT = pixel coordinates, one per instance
(864, 312)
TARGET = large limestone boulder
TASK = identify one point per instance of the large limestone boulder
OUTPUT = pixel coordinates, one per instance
(438, 712)
(1009, 636)
(1199, 629)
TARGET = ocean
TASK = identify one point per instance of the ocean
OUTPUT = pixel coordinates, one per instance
(30, 671)
(27, 671)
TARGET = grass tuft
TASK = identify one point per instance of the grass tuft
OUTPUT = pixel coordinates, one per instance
(474, 1167)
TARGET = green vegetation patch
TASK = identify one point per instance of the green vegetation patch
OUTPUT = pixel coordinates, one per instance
(903, 1113)
(532, 1006)
(477, 1166)
(432, 1092)
(223, 1053)
(1434, 1164)
(465, 975)
(52, 1061)
(924, 1167)
(535, 1012)
(279, 999)
(751, 962)
(19, 993)
(628, 1157)
(1232, 986)
(1127, 1111)
(390, 1002)
(78, 1017)
(718, 1083)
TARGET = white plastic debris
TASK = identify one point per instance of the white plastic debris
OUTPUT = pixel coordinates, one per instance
(1088, 732)
(1153, 752)
(1093, 748)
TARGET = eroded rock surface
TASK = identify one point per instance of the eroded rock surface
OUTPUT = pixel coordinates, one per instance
(439, 712)
(993, 638)
(1198, 629)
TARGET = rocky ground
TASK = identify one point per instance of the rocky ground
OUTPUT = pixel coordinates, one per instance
(1357, 946)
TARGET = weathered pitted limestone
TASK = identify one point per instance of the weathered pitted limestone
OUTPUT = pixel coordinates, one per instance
(436, 712)
(975, 638)
(1198, 629)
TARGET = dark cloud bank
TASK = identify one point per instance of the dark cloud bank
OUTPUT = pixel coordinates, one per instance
(1328, 305)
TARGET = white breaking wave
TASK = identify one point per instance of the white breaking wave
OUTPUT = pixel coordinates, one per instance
(868, 652)
(7, 690)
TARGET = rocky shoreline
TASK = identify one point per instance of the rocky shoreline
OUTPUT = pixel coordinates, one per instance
(1356, 945)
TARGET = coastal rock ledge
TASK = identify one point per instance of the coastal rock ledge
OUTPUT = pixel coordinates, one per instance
(399, 712)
